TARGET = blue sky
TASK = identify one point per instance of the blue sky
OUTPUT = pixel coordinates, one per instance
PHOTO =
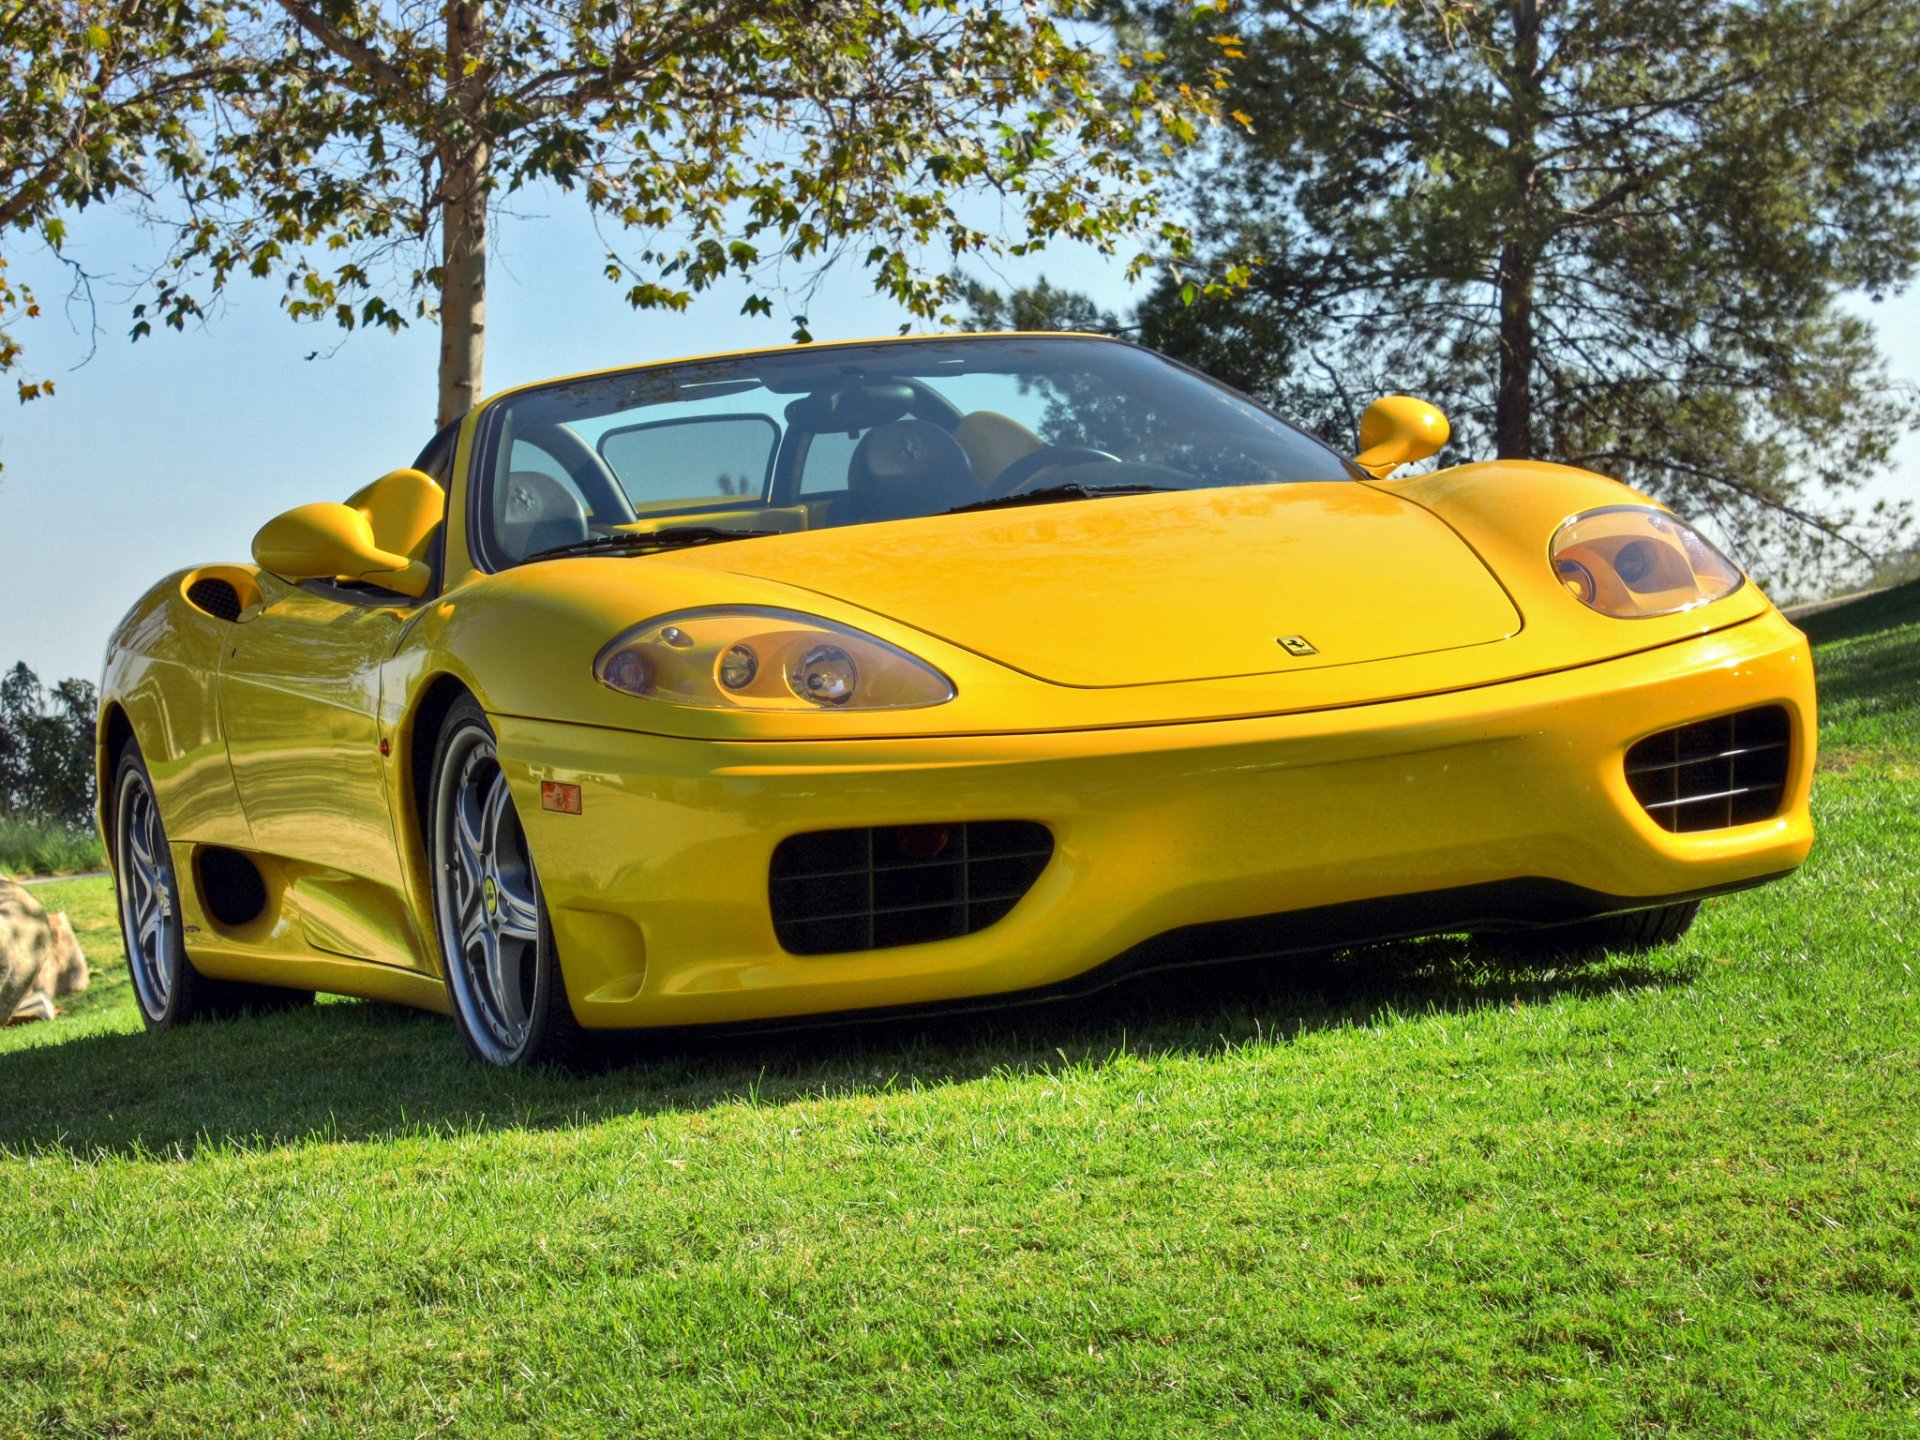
(172, 452)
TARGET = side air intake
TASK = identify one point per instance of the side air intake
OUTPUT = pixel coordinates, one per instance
(217, 597)
(231, 887)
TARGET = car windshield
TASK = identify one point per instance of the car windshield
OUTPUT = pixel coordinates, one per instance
(828, 436)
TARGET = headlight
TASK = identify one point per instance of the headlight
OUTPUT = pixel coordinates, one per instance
(1632, 561)
(749, 657)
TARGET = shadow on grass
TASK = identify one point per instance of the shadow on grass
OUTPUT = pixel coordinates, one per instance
(358, 1071)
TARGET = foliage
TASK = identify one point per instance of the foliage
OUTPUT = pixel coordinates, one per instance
(1040, 306)
(1898, 568)
(47, 847)
(46, 749)
(98, 97)
(361, 154)
(1611, 233)
(1403, 1193)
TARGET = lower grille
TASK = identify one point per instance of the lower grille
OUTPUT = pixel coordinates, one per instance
(834, 891)
(1714, 773)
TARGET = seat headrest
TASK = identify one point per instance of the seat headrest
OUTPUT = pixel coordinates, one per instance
(907, 467)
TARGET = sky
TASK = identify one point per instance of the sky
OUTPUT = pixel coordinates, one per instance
(172, 452)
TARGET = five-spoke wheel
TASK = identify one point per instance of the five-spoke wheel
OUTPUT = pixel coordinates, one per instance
(149, 913)
(496, 947)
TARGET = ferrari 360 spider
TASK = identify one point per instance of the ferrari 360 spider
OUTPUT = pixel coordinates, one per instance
(924, 672)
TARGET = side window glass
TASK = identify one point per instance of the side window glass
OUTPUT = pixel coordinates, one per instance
(828, 455)
(528, 458)
(692, 458)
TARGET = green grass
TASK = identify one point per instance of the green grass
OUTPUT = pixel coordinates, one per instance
(1405, 1192)
(38, 847)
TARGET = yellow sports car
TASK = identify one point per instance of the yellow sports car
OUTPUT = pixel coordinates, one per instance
(820, 680)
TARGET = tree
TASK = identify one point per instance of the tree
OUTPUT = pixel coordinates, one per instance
(1614, 232)
(361, 158)
(46, 748)
(98, 97)
(1040, 306)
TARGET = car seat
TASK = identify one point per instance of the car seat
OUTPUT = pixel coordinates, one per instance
(902, 468)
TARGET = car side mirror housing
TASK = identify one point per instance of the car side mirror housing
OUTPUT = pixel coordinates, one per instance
(334, 542)
(1396, 431)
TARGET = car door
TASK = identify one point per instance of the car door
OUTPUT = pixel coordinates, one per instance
(300, 698)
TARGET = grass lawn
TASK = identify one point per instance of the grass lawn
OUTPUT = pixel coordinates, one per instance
(1405, 1192)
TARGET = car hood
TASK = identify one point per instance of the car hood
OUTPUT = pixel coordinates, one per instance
(1159, 588)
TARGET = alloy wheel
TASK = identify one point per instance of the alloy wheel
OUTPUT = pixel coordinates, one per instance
(486, 898)
(149, 916)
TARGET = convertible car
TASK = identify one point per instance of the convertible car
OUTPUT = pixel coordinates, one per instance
(924, 672)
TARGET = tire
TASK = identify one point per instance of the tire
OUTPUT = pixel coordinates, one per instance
(497, 955)
(1628, 934)
(166, 987)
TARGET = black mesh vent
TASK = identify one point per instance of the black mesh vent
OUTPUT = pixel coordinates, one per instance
(839, 890)
(217, 597)
(1714, 773)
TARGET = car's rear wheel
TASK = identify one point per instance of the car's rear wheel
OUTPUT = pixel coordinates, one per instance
(496, 946)
(168, 990)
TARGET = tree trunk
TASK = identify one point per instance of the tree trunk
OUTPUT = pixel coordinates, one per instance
(1513, 400)
(462, 200)
(1519, 253)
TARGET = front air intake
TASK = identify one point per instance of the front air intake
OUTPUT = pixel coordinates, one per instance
(1714, 773)
(834, 891)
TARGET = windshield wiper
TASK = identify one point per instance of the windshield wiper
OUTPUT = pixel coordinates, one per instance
(630, 543)
(1048, 494)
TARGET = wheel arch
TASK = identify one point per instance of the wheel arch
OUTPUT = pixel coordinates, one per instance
(113, 735)
(438, 696)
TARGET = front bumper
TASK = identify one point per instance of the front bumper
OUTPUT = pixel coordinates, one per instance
(658, 890)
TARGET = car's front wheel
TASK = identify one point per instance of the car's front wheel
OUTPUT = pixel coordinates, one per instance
(1631, 933)
(496, 946)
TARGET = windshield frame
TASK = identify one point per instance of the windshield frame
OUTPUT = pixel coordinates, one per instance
(487, 558)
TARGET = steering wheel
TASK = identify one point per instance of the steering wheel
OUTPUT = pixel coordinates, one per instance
(1013, 479)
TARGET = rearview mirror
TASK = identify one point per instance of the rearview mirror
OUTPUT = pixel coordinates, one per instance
(334, 542)
(1396, 431)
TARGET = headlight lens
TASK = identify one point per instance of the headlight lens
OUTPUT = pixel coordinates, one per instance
(750, 657)
(1632, 561)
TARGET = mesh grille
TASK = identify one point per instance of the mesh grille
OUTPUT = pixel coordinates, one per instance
(1714, 773)
(217, 597)
(834, 891)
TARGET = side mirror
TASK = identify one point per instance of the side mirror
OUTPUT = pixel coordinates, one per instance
(1397, 430)
(331, 542)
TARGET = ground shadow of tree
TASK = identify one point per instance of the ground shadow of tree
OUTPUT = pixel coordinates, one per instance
(360, 1071)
